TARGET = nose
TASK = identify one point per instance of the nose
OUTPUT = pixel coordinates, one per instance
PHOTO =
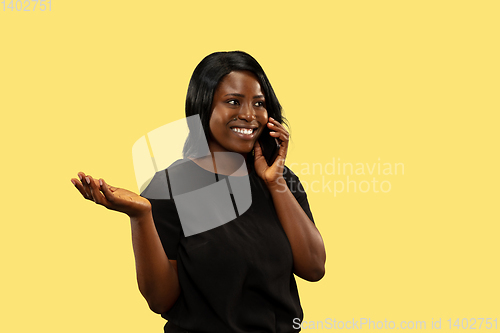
(247, 113)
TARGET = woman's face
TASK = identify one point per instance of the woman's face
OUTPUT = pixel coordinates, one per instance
(239, 113)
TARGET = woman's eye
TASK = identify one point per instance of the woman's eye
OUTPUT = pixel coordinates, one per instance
(259, 104)
(233, 102)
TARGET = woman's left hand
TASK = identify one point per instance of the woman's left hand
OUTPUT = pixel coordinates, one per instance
(272, 175)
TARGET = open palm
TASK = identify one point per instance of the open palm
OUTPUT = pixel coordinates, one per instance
(111, 197)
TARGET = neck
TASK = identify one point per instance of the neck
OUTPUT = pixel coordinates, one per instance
(224, 163)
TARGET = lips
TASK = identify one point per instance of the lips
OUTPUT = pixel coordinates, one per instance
(244, 132)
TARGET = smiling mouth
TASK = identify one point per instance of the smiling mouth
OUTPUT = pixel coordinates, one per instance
(245, 133)
(243, 130)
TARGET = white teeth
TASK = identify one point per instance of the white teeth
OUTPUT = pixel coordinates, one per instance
(242, 130)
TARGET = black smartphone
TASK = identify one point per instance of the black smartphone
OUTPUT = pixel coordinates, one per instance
(270, 149)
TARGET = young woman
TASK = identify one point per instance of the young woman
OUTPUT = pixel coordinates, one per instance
(239, 276)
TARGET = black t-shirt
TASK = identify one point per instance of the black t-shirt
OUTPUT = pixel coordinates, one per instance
(236, 277)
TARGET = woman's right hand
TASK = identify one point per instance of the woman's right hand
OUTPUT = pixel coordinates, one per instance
(111, 197)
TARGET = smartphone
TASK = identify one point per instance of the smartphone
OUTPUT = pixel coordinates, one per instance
(270, 149)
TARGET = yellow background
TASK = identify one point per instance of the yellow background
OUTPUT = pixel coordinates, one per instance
(407, 82)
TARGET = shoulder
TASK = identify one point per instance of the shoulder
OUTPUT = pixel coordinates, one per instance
(289, 175)
(287, 172)
(297, 190)
(158, 187)
(292, 181)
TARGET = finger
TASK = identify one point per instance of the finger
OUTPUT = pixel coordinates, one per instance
(257, 149)
(281, 136)
(79, 187)
(271, 119)
(283, 150)
(90, 182)
(283, 133)
(96, 192)
(85, 182)
(86, 186)
(106, 190)
(278, 128)
(103, 184)
(274, 124)
(86, 191)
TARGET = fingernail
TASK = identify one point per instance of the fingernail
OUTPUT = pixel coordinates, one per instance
(100, 182)
(73, 182)
(87, 179)
(80, 176)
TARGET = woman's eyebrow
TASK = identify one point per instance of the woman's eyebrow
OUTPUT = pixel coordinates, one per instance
(237, 95)
(241, 95)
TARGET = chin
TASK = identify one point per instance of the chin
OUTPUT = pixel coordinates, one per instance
(244, 150)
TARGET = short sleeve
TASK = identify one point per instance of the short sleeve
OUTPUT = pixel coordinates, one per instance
(297, 190)
(165, 217)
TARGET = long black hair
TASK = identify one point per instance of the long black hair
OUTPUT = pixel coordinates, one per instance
(204, 81)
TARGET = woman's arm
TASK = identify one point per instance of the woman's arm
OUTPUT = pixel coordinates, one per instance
(156, 274)
(308, 250)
